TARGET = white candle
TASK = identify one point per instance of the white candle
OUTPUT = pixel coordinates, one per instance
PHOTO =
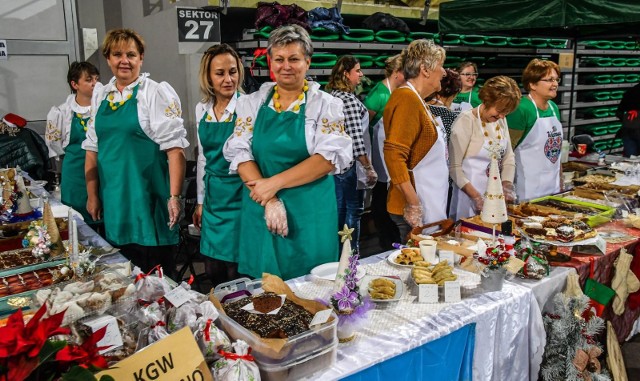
(74, 243)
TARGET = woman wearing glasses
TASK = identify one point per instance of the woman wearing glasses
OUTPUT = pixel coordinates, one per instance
(468, 96)
(536, 132)
(474, 138)
(219, 193)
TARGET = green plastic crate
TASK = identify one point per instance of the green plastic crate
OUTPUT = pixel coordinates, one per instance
(519, 42)
(616, 143)
(380, 60)
(596, 112)
(359, 35)
(631, 45)
(633, 62)
(597, 44)
(617, 94)
(632, 78)
(618, 45)
(426, 35)
(596, 61)
(618, 78)
(601, 145)
(618, 62)
(451, 39)
(558, 43)
(614, 128)
(390, 36)
(453, 61)
(473, 39)
(599, 130)
(613, 110)
(261, 61)
(323, 60)
(496, 40)
(599, 79)
(537, 42)
(598, 95)
(263, 32)
(322, 34)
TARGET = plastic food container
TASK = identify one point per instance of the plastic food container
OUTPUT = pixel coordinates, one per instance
(301, 356)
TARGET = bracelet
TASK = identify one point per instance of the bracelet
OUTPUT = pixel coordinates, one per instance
(174, 197)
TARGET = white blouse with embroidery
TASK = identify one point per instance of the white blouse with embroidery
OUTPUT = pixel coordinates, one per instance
(201, 108)
(324, 127)
(159, 112)
(58, 131)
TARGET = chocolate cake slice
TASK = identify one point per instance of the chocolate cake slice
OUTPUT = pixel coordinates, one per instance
(266, 302)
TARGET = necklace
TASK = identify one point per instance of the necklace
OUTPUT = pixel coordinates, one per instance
(116, 105)
(486, 131)
(296, 107)
(83, 122)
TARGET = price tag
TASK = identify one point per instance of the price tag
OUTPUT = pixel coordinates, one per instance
(452, 292)
(3, 50)
(428, 293)
(178, 296)
(447, 255)
(112, 337)
(601, 244)
(320, 317)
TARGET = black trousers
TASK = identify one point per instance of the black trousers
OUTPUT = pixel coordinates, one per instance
(388, 232)
(147, 257)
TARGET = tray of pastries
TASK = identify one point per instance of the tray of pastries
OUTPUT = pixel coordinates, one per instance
(593, 214)
(557, 230)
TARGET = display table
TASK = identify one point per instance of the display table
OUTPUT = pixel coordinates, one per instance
(509, 335)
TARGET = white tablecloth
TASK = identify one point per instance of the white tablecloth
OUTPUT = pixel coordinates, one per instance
(509, 340)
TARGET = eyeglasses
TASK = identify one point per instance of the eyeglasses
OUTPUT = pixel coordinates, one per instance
(469, 74)
(552, 80)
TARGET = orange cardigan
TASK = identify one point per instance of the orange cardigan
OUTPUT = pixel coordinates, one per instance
(410, 134)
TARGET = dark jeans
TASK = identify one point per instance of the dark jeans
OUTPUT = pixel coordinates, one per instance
(387, 230)
(350, 204)
(402, 225)
(631, 140)
(220, 271)
(146, 257)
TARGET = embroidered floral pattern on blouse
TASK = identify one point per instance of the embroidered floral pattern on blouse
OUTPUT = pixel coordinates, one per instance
(336, 128)
(53, 133)
(243, 126)
(173, 110)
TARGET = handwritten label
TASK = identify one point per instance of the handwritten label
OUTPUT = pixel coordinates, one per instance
(428, 293)
(176, 357)
(320, 317)
(447, 255)
(112, 337)
(452, 292)
(178, 296)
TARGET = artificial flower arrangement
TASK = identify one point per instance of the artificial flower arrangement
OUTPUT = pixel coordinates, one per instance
(346, 301)
(38, 239)
(32, 351)
(496, 256)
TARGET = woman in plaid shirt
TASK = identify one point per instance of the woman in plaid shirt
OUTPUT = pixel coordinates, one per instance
(345, 76)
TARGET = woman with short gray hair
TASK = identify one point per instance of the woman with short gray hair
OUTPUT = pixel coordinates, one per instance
(289, 136)
(415, 144)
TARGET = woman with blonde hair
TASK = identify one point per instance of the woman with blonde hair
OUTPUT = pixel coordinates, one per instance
(219, 193)
(536, 132)
(477, 135)
(415, 148)
(375, 103)
(135, 159)
(289, 137)
(345, 76)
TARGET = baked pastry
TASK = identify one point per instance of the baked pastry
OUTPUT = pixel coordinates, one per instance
(290, 320)
(266, 302)
(565, 233)
(409, 256)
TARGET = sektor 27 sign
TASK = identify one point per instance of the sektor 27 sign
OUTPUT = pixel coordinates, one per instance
(198, 25)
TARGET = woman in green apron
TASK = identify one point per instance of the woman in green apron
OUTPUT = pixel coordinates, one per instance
(289, 137)
(135, 160)
(468, 97)
(219, 193)
(66, 130)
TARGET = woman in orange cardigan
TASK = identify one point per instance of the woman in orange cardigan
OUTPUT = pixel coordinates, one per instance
(415, 148)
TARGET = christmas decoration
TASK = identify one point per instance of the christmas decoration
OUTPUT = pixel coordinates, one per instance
(494, 208)
(39, 240)
(571, 352)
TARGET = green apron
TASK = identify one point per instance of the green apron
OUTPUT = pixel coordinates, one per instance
(223, 194)
(134, 179)
(278, 144)
(73, 188)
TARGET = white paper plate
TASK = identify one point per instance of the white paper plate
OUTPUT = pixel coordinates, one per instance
(392, 259)
(329, 270)
(399, 287)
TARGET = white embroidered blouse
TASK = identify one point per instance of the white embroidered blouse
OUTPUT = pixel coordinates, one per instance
(58, 130)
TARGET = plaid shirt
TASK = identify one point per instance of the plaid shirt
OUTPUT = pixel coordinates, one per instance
(354, 113)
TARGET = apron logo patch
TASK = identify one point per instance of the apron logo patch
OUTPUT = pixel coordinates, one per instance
(553, 145)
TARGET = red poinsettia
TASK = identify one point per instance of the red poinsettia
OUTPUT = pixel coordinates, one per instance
(86, 355)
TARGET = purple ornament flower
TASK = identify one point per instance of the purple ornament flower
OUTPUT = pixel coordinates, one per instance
(346, 298)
